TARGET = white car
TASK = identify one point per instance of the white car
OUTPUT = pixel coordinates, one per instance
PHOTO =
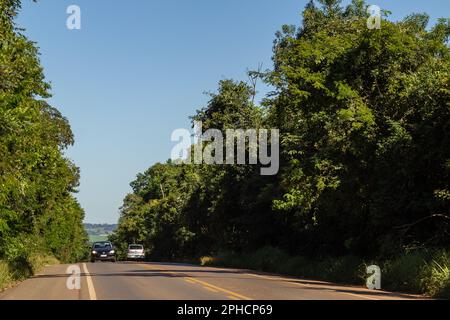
(136, 251)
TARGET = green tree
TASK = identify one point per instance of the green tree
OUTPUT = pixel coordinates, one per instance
(364, 120)
(364, 116)
(38, 213)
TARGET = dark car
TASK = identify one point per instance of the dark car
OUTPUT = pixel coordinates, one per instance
(103, 251)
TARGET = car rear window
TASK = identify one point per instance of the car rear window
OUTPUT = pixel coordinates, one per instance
(136, 247)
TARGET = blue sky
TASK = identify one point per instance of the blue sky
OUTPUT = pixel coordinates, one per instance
(138, 69)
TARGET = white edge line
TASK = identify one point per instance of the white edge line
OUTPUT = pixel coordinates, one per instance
(90, 284)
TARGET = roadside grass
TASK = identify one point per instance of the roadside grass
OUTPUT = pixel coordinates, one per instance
(418, 272)
(423, 271)
(20, 269)
(6, 277)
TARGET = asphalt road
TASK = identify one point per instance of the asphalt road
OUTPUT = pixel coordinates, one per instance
(163, 281)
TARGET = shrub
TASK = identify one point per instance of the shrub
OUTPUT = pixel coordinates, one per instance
(268, 259)
(297, 266)
(207, 261)
(404, 272)
(436, 275)
(5, 275)
(224, 259)
(346, 269)
(22, 267)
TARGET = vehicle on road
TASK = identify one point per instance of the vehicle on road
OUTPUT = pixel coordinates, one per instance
(136, 252)
(103, 251)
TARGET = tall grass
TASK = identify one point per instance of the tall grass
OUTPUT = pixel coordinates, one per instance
(6, 277)
(419, 272)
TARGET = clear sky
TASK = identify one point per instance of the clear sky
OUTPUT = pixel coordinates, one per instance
(138, 69)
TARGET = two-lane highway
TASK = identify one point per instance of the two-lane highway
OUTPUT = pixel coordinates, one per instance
(164, 281)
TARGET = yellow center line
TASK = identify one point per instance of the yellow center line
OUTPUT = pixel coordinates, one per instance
(203, 283)
(210, 289)
(289, 281)
(189, 280)
(221, 289)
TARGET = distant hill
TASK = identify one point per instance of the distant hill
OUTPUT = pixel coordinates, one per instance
(99, 232)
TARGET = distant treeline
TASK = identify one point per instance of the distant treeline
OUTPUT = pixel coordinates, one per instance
(39, 216)
(99, 229)
(364, 117)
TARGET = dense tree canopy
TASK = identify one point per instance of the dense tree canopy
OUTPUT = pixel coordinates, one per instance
(364, 118)
(38, 212)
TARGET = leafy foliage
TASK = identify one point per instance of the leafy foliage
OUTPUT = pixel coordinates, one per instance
(364, 120)
(38, 213)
